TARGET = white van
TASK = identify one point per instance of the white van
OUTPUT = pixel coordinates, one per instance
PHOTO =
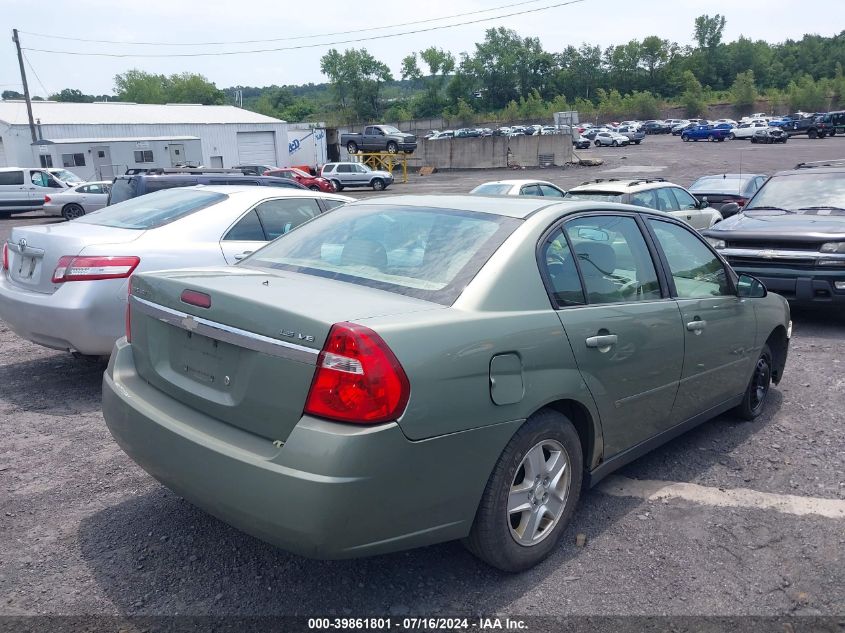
(23, 189)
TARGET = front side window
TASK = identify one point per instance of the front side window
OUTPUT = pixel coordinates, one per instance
(551, 191)
(40, 179)
(530, 190)
(614, 260)
(696, 271)
(685, 200)
(426, 253)
(665, 200)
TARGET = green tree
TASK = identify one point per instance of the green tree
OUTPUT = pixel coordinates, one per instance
(693, 96)
(192, 88)
(143, 87)
(654, 53)
(808, 94)
(357, 79)
(72, 95)
(744, 92)
(12, 94)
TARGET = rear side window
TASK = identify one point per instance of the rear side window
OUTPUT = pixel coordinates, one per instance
(11, 177)
(332, 204)
(430, 254)
(157, 184)
(558, 264)
(153, 210)
(248, 229)
(281, 216)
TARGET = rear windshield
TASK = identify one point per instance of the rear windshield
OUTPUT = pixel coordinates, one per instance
(153, 210)
(719, 185)
(601, 196)
(491, 189)
(429, 254)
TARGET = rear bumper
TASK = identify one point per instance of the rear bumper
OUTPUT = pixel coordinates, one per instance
(330, 491)
(800, 287)
(80, 316)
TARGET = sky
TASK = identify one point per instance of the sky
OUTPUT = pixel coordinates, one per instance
(602, 22)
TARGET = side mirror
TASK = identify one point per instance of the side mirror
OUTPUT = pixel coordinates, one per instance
(731, 208)
(749, 287)
(704, 203)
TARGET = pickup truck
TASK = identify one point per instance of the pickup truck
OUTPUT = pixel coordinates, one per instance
(705, 132)
(379, 138)
(814, 126)
(634, 135)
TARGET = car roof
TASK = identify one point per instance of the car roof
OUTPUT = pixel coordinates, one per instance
(623, 186)
(260, 192)
(519, 207)
(516, 181)
(726, 176)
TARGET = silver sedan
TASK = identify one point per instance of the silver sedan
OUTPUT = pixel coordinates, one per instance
(78, 200)
(519, 188)
(65, 286)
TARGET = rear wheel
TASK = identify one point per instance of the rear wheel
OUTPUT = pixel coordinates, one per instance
(314, 188)
(530, 496)
(352, 147)
(72, 211)
(637, 142)
(337, 185)
(813, 134)
(711, 138)
(378, 184)
(731, 136)
(615, 143)
(598, 143)
(757, 391)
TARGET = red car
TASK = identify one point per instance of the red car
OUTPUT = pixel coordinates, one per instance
(315, 183)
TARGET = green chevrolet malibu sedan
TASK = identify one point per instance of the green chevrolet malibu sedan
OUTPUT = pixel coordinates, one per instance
(418, 369)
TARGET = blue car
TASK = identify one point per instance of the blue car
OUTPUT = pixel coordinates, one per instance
(705, 132)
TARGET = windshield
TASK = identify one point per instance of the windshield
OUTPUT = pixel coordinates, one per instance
(153, 210)
(67, 176)
(389, 129)
(718, 184)
(425, 253)
(601, 196)
(801, 191)
(491, 189)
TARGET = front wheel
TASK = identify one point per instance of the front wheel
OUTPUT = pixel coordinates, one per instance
(392, 148)
(314, 188)
(337, 185)
(598, 143)
(684, 138)
(615, 143)
(637, 142)
(757, 391)
(711, 138)
(731, 136)
(378, 184)
(813, 134)
(530, 495)
(352, 147)
(72, 211)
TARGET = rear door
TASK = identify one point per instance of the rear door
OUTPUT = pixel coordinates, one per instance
(14, 193)
(718, 326)
(626, 336)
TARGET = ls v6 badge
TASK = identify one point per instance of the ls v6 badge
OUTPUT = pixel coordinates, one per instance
(297, 335)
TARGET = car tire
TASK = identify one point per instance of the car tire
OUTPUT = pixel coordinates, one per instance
(337, 185)
(597, 143)
(614, 143)
(711, 138)
(754, 139)
(731, 136)
(637, 142)
(493, 537)
(314, 188)
(392, 148)
(684, 138)
(377, 184)
(352, 147)
(812, 134)
(72, 211)
(754, 400)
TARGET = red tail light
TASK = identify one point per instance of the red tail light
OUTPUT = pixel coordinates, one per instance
(47, 199)
(5, 256)
(741, 201)
(91, 268)
(358, 379)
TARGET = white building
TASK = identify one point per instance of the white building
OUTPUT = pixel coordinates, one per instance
(100, 140)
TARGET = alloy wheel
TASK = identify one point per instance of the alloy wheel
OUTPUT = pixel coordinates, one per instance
(73, 211)
(539, 492)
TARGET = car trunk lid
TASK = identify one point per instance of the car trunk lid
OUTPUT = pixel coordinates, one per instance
(35, 251)
(249, 358)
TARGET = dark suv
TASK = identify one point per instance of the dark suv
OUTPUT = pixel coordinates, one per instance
(791, 234)
(139, 182)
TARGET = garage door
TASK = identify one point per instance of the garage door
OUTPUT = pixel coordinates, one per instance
(257, 148)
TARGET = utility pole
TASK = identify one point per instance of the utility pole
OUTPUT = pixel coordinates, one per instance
(17, 42)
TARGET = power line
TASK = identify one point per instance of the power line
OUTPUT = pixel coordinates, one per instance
(286, 39)
(304, 46)
(29, 63)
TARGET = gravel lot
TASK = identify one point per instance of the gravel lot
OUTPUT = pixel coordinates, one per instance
(85, 531)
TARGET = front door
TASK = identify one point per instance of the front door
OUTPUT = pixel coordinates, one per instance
(718, 335)
(102, 162)
(177, 154)
(627, 337)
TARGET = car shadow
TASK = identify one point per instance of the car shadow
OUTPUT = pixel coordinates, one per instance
(59, 384)
(823, 321)
(157, 554)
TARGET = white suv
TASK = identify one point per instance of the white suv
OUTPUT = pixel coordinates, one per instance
(652, 193)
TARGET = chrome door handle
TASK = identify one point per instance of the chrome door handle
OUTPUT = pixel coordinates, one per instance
(696, 326)
(240, 256)
(602, 341)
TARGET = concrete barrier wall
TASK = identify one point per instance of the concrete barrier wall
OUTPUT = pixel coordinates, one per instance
(493, 151)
